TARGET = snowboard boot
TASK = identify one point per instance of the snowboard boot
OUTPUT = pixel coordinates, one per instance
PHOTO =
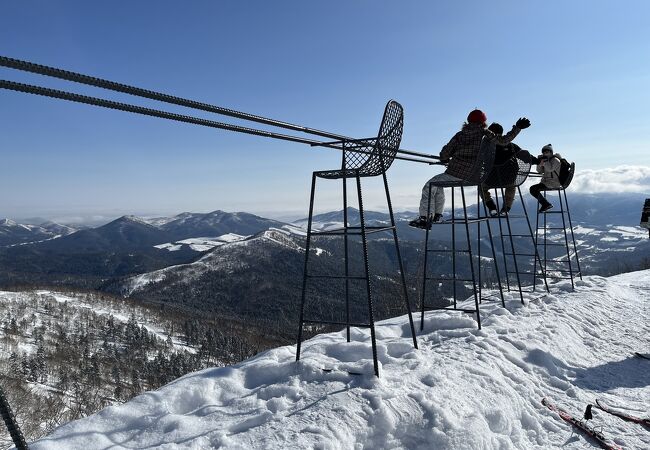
(421, 222)
(545, 207)
(492, 207)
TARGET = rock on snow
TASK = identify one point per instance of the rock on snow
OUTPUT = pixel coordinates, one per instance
(463, 389)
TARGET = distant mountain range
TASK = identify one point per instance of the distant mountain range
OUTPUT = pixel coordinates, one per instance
(12, 233)
(129, 245)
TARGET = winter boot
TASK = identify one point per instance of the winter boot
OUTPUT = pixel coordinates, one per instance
(545, 207)
(421, 222)
(492, 207)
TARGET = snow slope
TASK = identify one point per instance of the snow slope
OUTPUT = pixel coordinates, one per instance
(463, 389)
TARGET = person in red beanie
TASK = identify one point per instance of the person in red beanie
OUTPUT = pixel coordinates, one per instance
(460, 153)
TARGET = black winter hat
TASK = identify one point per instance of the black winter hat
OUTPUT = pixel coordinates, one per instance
(496, 128)
(547, 147)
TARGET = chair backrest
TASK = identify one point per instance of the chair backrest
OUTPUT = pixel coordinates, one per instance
(483, 164)
(569, 178)
(379, 153)
(511, 173)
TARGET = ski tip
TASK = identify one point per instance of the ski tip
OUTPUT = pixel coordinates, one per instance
(326, 370)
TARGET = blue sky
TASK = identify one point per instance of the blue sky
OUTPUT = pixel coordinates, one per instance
(578, 69)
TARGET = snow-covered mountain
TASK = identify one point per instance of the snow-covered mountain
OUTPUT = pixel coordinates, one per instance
(13, 233)
(225, 261)
(125, 246)
(216, 223)
(463, 388)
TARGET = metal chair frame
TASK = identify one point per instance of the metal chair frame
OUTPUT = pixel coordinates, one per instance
(562, 197)
(523, 171)
(10, 421)
(645, 216)
(482, 167)
(378, 156)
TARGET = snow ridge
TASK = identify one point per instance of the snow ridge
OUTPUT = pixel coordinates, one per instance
(464, 388)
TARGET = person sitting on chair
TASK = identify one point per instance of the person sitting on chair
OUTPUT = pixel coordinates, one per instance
(504, 172)
(549, 166)
(460, 153)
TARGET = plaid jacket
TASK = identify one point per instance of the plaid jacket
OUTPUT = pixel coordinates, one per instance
(463, 148)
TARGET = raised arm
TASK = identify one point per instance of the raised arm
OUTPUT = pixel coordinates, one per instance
(521, 124)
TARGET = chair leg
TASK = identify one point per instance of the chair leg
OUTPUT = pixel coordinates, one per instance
(575, 247)
(347, 266)
(566, 239)
(494, 255)
(471, 260)
(304, 275)
(453, 244)
(503, 244)
(424, 268)
(545, 239)
(541, 266)
(514, 253)
(367, 270)
(478, 240)
(399, 261)
(534, 239)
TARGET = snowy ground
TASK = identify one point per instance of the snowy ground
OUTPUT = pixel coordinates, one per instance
(463, 389)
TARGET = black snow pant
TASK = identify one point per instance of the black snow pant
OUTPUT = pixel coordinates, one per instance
(536, 191)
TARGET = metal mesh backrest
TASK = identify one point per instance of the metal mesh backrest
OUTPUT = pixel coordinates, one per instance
(483, 163)
(569, 179)
(511, 173)
(381, 151)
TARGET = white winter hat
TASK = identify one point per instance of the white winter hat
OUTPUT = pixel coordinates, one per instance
(547, 147)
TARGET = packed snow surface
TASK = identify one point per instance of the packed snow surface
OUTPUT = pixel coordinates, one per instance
(463, 388)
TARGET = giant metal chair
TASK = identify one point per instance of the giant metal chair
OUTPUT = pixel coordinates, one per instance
(480, 170)
(509, 175)
(361, 158)
(558, 271)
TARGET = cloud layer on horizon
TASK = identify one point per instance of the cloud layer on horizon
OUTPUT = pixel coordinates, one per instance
(612, 180)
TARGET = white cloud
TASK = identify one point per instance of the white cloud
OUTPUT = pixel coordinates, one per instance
(612, 180)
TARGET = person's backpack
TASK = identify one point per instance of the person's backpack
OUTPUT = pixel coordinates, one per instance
(565, 171)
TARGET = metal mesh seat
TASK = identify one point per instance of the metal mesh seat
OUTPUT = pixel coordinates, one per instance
(480, 169)
(512, 173)
(373, 156)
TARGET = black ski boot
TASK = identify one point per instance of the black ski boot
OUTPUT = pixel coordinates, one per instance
(492, 207)
(545, 207)
(421, 222)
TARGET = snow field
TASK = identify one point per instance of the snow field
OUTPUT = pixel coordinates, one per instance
(463, 389)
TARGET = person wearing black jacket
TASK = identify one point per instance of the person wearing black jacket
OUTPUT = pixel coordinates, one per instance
(504, 172)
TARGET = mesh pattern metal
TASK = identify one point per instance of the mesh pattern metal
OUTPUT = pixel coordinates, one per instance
(511, 173)
(480, 169)
(569, 179)
(372, 157)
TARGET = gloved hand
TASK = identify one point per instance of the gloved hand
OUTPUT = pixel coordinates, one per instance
(522, 123)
